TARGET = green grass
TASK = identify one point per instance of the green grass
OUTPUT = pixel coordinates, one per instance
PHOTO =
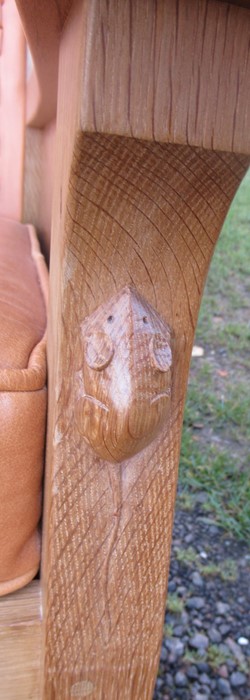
(215, 657)
(168, 630)
(188, 557)
(193, 657)
(216, 432)
(229, 273)
(229, 570)
(175, 604)
(211, 569)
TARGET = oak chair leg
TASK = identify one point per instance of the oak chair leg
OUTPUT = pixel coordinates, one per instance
(141, 223)
(135, 224)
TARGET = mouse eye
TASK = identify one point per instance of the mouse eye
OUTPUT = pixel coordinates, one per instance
(98, 350)
(160, 352)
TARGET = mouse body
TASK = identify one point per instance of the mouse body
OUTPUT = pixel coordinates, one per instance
(125, 376)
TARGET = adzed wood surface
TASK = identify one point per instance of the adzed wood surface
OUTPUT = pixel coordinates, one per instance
(146, 215)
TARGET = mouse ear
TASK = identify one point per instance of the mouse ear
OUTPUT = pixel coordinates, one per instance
(99, 350)
(160, 352)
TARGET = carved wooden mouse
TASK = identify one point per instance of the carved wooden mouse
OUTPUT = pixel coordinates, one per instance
(125, 378)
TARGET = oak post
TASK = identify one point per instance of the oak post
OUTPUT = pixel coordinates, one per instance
(135, 223)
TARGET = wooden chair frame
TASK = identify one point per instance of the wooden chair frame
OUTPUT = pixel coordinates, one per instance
(152, 140)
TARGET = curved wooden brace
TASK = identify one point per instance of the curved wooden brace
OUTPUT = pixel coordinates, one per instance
(128, 212)
(43, 23)
(147, 215)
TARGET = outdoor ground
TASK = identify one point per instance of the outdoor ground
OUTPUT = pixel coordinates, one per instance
(206, 645)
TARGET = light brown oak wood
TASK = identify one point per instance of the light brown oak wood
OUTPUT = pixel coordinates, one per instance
(190, 86)
(20, 644)
(183, 70)
(124, 376)
(133, 210)
(147, 215)
(127, 213)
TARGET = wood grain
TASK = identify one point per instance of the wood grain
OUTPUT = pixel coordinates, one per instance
(147, 215)
(126, 212)
(241, 3)
(20, 644)
(168, 71)
(124, 376)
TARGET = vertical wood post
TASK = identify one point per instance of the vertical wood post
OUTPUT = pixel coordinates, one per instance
(12, 111)
(134, 227)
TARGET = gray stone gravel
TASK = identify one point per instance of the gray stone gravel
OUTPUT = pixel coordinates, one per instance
(203, 658)
(224, 686)
(199, 641)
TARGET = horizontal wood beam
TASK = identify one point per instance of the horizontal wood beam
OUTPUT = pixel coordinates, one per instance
(171, 71)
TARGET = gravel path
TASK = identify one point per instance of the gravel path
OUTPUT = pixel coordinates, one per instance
(206, 649)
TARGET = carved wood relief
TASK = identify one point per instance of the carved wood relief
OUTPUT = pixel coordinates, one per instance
(140, 228)
(124, 381)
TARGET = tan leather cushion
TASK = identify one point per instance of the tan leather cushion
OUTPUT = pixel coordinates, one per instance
(23, 293)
